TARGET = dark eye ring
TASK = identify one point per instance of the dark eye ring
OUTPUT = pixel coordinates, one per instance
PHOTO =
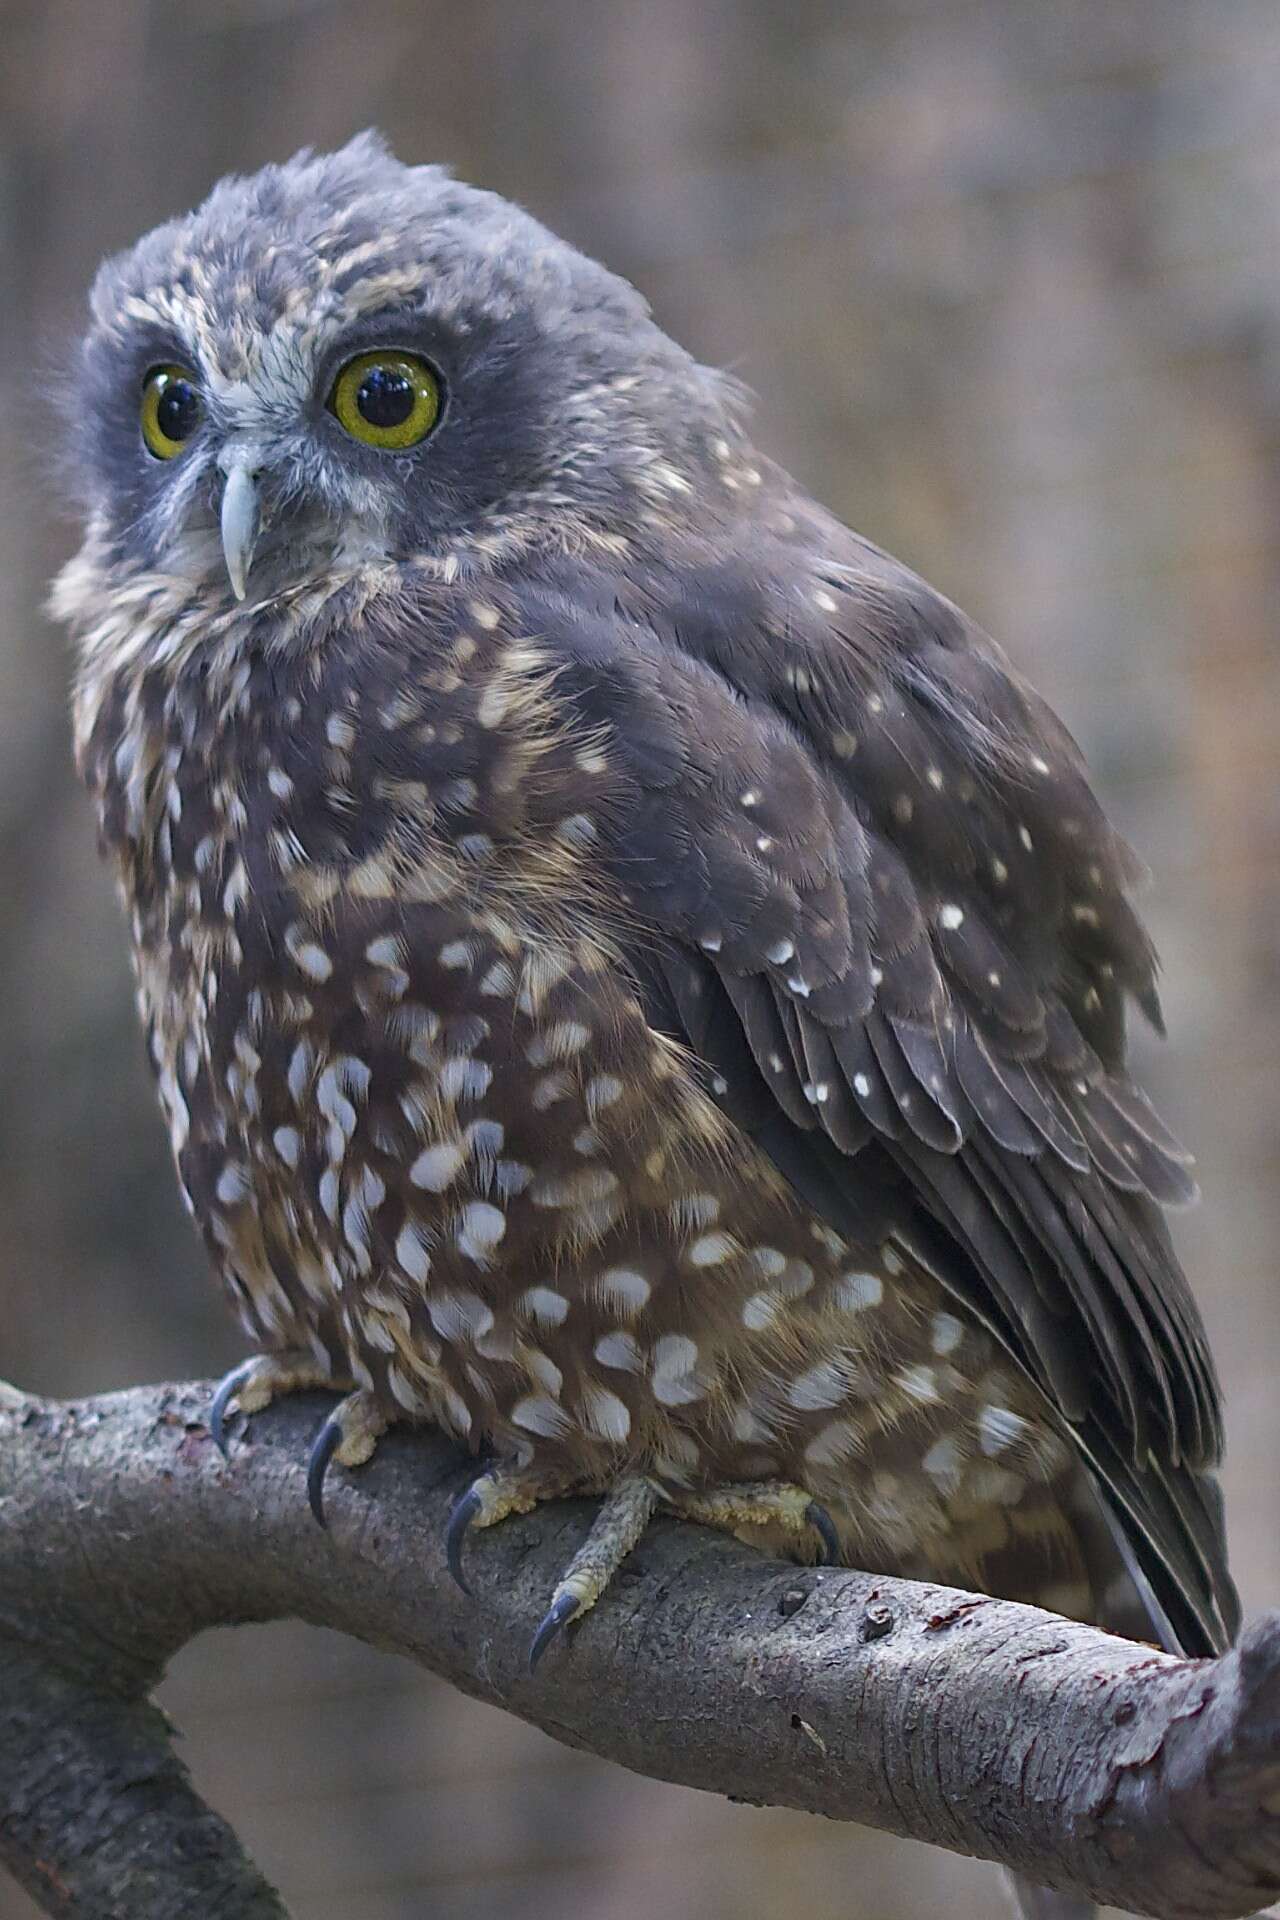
(171, 410)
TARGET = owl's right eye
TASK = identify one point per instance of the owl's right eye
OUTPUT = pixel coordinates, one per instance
(171, 410)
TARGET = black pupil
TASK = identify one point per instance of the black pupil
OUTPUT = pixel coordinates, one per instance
(385, 397)
(178, 410)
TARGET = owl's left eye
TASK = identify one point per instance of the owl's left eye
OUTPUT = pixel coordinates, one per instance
(171, 410)
(386, 399)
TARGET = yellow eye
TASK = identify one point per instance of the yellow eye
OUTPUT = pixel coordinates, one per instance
(171, 410)
(387, 399)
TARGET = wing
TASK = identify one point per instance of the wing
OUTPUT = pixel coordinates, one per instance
(865, 879)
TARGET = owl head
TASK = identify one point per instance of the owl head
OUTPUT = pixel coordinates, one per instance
(344, 359)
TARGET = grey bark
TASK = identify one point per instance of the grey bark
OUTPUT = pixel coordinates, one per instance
(1083, 1761)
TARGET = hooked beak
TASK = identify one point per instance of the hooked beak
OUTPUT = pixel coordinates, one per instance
(241, 520)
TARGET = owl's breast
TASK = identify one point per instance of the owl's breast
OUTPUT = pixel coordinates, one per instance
(428, 1134)
(408, 1082)
(418, 1109)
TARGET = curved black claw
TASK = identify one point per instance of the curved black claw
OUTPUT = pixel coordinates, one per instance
(228, 1388)
(465, 1509)
(323, 1448)
(824, 1526)
(557, 1619)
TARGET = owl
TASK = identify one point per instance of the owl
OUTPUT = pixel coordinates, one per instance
(633, 976)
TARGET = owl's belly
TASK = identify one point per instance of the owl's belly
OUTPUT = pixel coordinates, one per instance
(465, 1173)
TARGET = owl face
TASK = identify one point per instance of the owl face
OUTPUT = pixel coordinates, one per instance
(344, 359)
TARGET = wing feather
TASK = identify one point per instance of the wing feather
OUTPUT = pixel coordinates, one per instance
(891, 918)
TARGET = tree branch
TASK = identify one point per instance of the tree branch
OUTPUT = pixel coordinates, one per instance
(97, 1815)
(1084, 1761)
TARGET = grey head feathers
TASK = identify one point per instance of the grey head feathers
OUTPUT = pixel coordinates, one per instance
(561, 393)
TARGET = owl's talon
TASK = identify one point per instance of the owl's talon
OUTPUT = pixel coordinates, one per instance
(259, 1380)
(825, 1528)
(228, 1387)
(465, 1509)
(491, 1497)
(349, 1436)
(323, 1448)
(564, 1608)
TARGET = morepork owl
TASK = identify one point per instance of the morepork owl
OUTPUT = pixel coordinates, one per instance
(633, 976)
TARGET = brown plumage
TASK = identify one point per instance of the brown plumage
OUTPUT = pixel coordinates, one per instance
(633, 977)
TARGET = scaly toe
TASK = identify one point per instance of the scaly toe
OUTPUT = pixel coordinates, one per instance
(770, 1507)
(620, 1523)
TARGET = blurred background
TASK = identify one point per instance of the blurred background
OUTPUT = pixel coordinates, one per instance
(1005, 275)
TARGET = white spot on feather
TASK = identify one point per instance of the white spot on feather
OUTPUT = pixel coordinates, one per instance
(437, 1167)
(539, 1413)
(710, 1249)
(605, 1414)
(288, 1144)
(944, 1463)
(998, 1428)
(822, 1386)
(623, 1289)
(544, 1305)
(947, 1333)
(412, 1254)
(618, 1350)
(919, 1383)
(675, 1381)
(480, 1229)
(854, 1292)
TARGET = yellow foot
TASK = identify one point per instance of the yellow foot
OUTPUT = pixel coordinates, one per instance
(349, 1436)
(256, 1382)
(769, 1505)
(627, 1511)
(500, 1491)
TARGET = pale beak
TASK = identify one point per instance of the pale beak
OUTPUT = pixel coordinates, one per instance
(241, 519)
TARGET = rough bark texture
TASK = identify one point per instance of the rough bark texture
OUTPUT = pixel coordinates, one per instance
(1079, 1759)
(99, 1817)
